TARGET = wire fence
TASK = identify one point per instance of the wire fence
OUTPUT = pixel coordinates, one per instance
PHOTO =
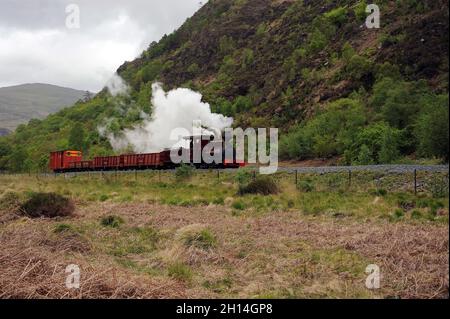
(435, 182)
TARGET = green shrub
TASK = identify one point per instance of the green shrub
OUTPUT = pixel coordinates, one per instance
(203, 239)
(416, 214)
(263, 185)
(226, 45)
(148, 235)
(244, 176)
(193, 69)
(218, 201)
(180, 271)
(423, 202)
(397, 215)
(47, 205)
(435, 206)
(103, 197)
(381, 192)
(239, 205)
(358, 67)
(317, 41)
(184, 172)
(305, 186)
(112, 221)
(242, 103)
(248, 58)
(337, 16)
(360, 11)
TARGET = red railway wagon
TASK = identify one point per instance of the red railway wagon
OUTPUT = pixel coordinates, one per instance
(152, 160)
(62, 160)
(133, 161)
(106, 162)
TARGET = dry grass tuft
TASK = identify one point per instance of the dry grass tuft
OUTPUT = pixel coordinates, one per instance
(31, 270)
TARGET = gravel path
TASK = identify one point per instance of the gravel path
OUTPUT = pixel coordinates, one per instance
(371, 168)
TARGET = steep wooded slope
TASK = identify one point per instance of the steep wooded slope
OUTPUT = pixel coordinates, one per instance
(311, 68)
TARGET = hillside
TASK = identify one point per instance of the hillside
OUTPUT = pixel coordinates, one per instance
(21, 103)
(310, 68)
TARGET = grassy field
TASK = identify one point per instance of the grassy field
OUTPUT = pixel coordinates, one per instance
(152, 236)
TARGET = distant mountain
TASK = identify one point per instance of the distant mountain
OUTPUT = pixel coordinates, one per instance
(21, 103)
(4, 131)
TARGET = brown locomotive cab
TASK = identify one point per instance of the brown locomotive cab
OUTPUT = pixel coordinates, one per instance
(62, 160)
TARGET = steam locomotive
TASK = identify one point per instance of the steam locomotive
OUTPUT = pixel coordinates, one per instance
(72, 160)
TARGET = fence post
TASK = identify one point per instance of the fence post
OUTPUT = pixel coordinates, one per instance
(349, 178)
(218, 175)
(415, 181)
(296, 177)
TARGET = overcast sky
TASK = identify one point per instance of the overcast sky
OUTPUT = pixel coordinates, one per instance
(37, 47)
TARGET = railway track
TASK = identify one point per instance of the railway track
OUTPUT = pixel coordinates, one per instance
(316, 170)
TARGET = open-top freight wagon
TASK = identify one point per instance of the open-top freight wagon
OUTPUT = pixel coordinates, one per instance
(72, 161)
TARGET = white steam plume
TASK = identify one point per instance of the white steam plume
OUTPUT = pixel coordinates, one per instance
(175, 109)
(116, 85)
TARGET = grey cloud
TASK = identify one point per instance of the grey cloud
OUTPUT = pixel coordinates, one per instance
(35, 45)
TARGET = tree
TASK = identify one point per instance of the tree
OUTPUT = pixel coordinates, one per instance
(77, 138)
(43, 162)
(87, 96)
(334, 130)
(389, 148)
(397, 101)
(364, 156)
(5, 149)
(381, 140)
(330, 133)
(17, 160)
(432, 129)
